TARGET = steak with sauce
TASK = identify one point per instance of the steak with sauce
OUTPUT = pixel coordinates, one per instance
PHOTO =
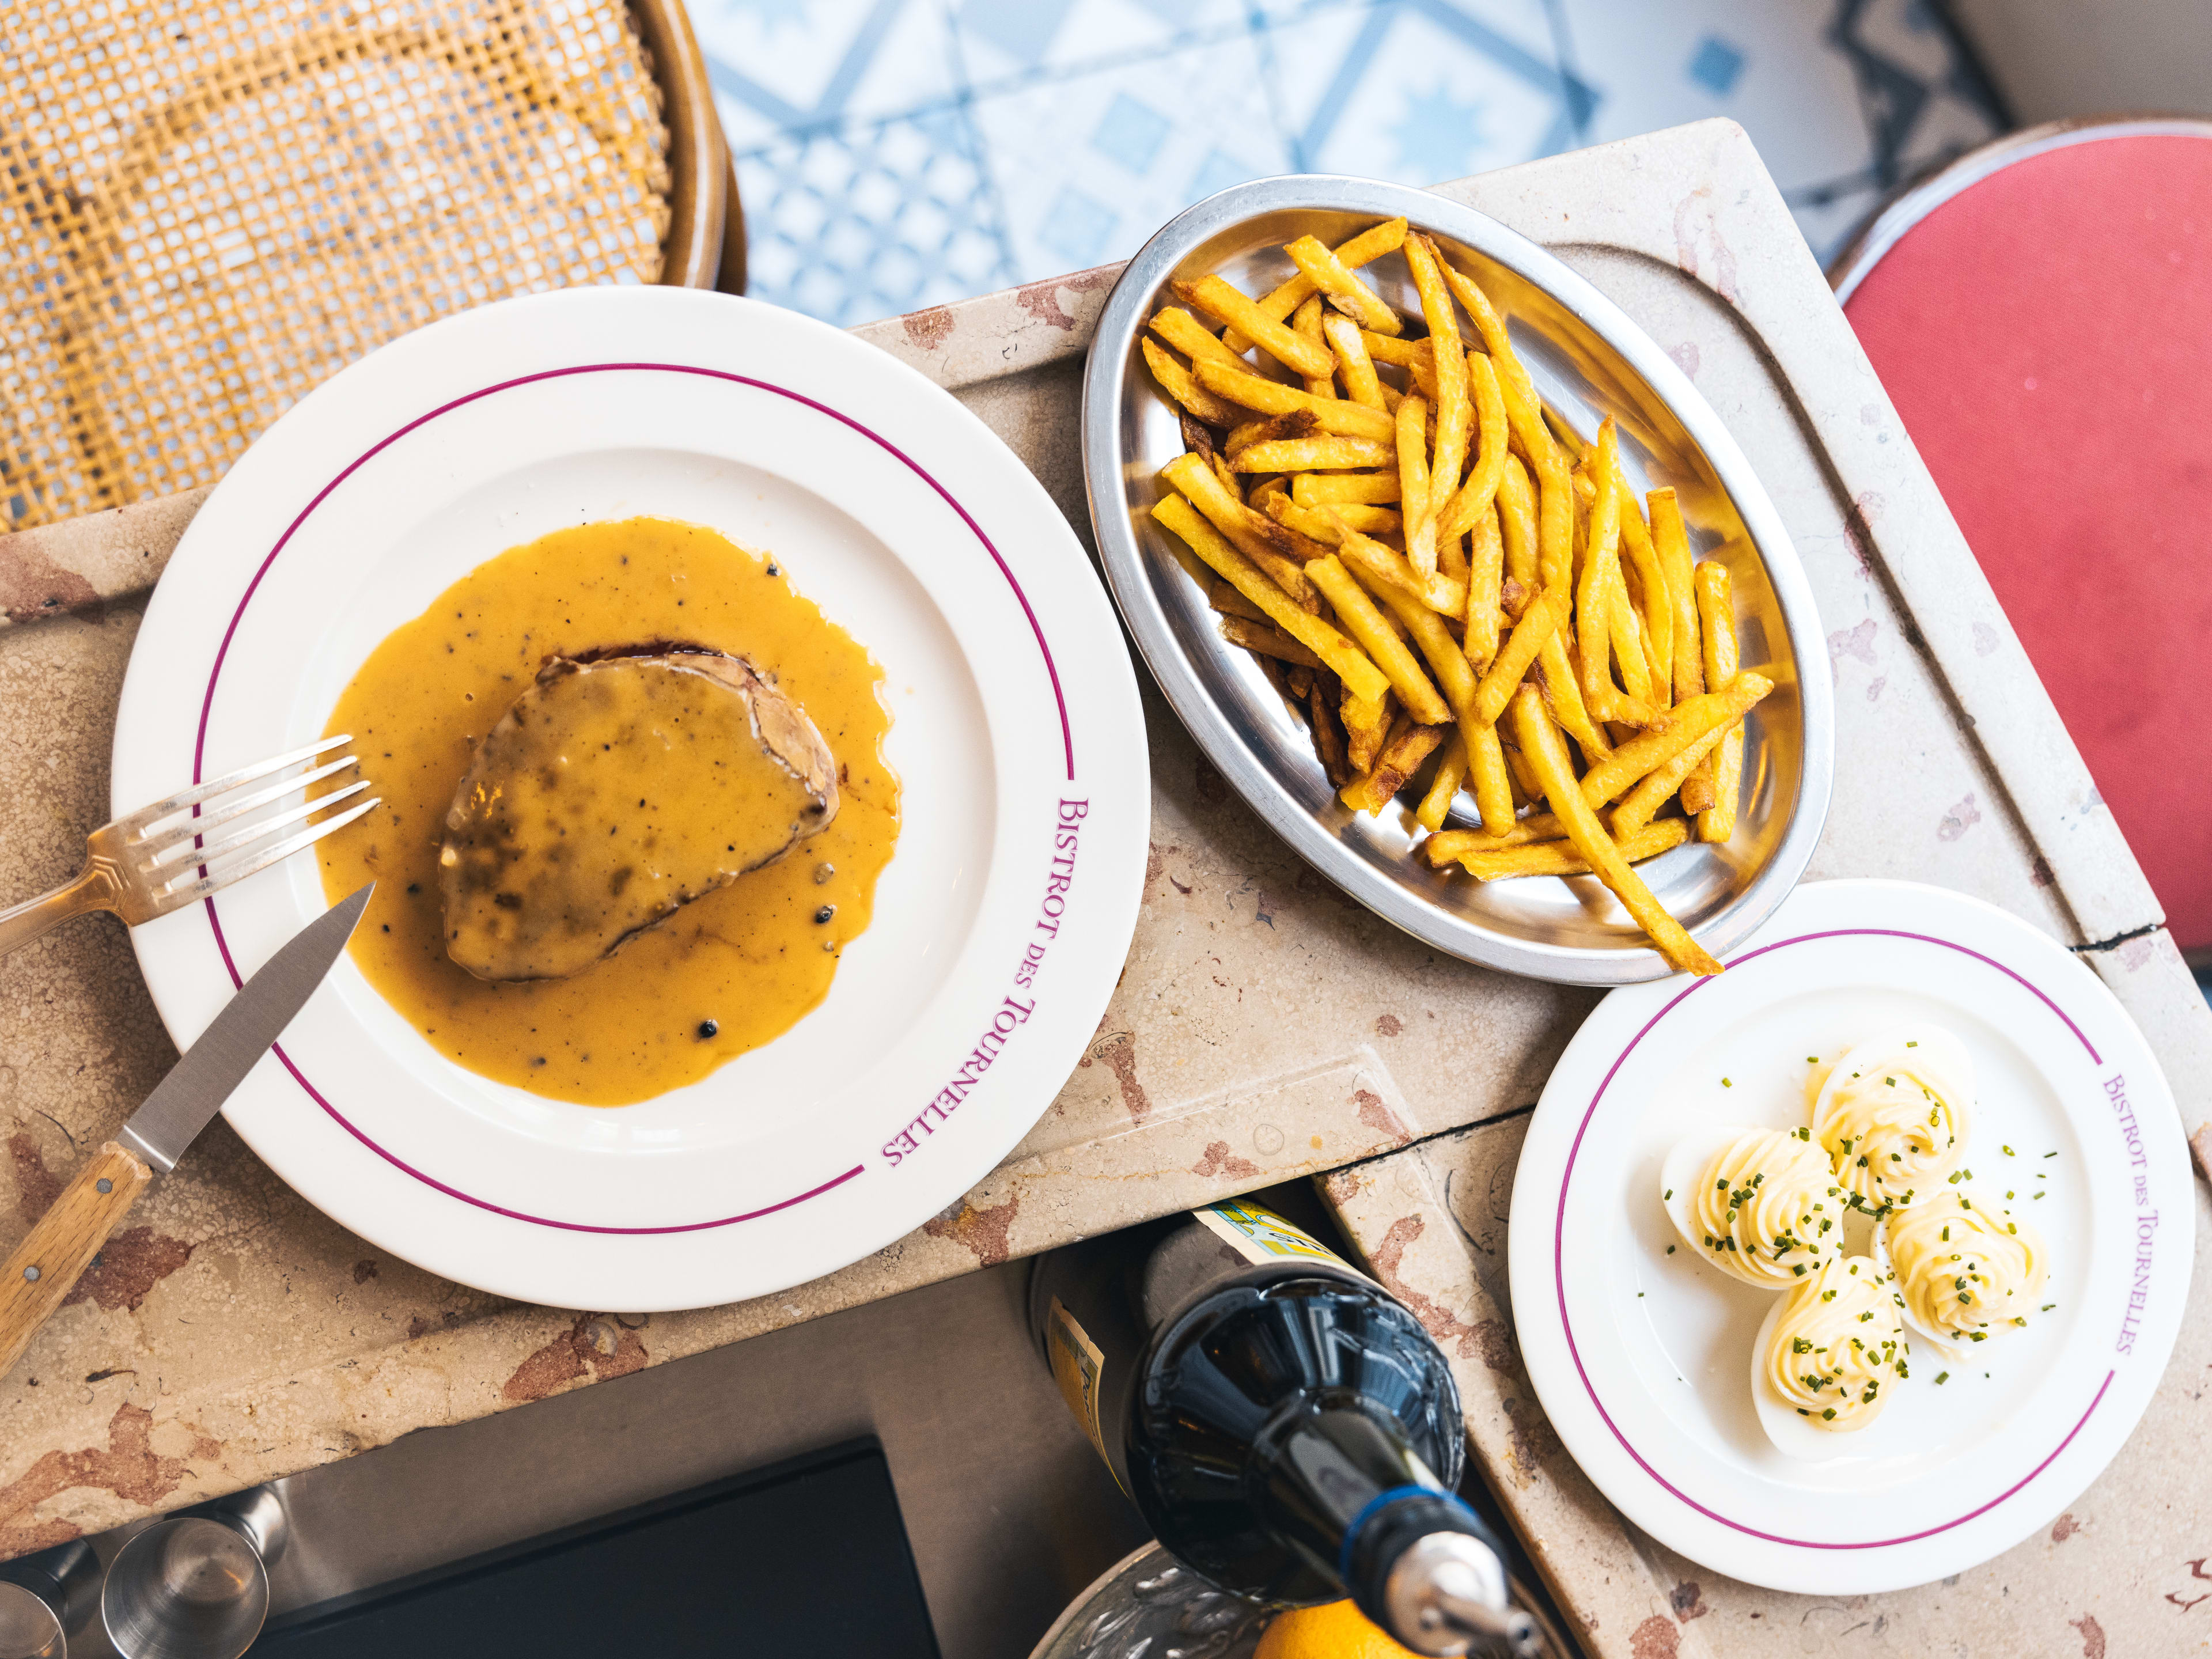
(621, 786)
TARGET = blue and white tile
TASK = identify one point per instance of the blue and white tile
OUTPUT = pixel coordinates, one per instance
(1007, 41)
(1090, 165)
(1419, 94)
(873, 220)
(779, 65)
(1921, 99)
(1767, 66)
(897, 153)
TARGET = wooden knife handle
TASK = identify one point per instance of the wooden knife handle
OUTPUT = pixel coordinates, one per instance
(61, 1243)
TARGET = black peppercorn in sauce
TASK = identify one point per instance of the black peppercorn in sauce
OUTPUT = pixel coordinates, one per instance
(630, 1026)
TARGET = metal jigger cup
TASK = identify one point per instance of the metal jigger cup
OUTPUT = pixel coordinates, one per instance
(195, 1586)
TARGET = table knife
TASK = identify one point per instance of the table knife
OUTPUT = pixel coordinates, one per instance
(62, 1242)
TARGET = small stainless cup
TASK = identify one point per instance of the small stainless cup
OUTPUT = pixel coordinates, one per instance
(196, 1585)
(44, 1597)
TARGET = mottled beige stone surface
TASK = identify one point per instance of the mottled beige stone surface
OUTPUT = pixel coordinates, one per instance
(1265, 1028)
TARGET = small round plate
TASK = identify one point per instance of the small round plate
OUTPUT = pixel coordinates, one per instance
(1642, 1359)
(1000, 926)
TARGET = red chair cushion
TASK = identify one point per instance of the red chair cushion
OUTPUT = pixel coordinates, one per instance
(2046, 336)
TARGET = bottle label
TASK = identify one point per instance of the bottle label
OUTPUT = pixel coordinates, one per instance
(1260, 1234)
(1076, 1365)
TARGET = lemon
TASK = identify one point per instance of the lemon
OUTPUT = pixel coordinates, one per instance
(1338, 1630)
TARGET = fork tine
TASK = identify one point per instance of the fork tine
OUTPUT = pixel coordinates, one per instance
(161, 840)
(176, 898)
(177, 802)
(254, 832)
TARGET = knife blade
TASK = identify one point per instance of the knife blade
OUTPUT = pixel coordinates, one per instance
(197, 1085)
(66, 1240)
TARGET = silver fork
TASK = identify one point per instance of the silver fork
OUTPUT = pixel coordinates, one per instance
(140, 869)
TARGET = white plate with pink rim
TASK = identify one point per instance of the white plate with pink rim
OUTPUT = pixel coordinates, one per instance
(1000, 925)
(1642, 1359)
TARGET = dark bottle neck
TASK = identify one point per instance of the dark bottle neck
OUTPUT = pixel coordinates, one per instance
(1319, 1465)
(1337, 1481)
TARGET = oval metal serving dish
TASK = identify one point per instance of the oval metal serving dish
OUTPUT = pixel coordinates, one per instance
(1587, 361)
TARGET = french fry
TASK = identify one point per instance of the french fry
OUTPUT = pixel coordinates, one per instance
(1449, 845)
(1366, 520)
(1451, 767)
(1176, 381)
(1516, 519)
(1672, 543)
(1330, 276)
(1539, 624)
(1328, 734)
(1359, 617)
(1453, 412)
(1523, 409)
(1197, 436)
(1480, 490)
(1461, 688)
(1344, 660)
(1555, 520)
(1224, 304)
(1691, 721)
(1367, 724)
(1657, 610)
(1717, 622)
(1353, 366)
(1270, 429)
(1640, 805)
(1526, 789)
(1312, 455)
(1323, 488)
(1594, 602)
(1486, 578)
(1646, 673)
(1451, 563)
(1192, 337)
(1564, 697)
(1224, 598)
(1265, 642)
(1564, 436)
(1421, 370)
(1606, 625)
(1454, 674)
(1306, 323)
(1633, 652)
(1492, 781)
(1280, 552)
(1563, 858)
(1328, 526)
(1546, 750)
(1394, 768)
(1413, 485)
(1438, 592)
(1336, 416)
(1363, 249)
(1400, 353)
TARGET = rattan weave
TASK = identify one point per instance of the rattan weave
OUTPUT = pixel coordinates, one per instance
(210, 205)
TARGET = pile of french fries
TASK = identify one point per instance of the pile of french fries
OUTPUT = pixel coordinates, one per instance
(1456, 590)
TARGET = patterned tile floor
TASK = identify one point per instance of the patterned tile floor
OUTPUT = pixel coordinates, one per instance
(901, 152)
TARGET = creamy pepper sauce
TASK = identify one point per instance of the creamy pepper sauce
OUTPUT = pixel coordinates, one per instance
(728, 972)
